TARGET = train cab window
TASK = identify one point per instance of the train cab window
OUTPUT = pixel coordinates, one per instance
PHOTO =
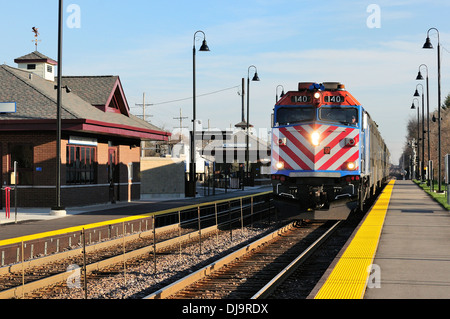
(347, 116)
(291, 115)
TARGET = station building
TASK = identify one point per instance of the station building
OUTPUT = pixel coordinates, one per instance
(100, 140)
(229, 156)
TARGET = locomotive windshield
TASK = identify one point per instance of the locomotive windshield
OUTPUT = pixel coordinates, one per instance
(291, 115)
(347, 116)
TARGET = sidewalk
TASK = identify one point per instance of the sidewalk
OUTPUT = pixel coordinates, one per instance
(30, 214)
(414, 249)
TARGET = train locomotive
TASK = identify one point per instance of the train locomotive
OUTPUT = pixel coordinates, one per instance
(328, 157)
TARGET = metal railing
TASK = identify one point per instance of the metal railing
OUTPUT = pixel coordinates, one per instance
(222, 214)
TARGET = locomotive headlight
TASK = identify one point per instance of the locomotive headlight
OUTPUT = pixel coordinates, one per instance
(315, 137)
(317, 99)
(351, 166)
(279, 166)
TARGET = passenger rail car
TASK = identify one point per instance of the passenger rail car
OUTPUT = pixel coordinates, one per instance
(328, 156)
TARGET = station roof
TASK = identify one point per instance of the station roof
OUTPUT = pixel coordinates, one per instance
(35, 56)
(96, 104)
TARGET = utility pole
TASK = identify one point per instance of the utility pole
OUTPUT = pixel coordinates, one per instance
(144, 117)
(181, 118)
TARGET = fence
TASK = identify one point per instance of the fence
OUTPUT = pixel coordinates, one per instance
(166, 228)
(181, 222)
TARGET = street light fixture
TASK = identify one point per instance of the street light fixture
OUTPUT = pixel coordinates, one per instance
(420, 77)
(255, 78)
(192, 165)
(428, 45)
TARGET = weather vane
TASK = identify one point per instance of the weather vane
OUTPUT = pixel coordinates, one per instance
(36, 34)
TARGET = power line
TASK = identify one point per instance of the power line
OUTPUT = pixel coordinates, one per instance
(189, 98)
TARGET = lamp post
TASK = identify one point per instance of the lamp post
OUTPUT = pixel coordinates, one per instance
(192, 166)
(423, 130)
(58, 209)
(420, 77)
(413, 107)
(255, 78)
(428, 45)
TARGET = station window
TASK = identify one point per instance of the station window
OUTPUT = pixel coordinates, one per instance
(81, 165)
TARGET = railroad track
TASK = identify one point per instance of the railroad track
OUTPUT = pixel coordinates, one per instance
(114, 258)
(41, 277)
(255, 270)
(303, 282)
(140, 277)
(290, 271)
(20, 279)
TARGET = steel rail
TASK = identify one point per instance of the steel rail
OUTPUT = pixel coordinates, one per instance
(205, 271)
(21, 290)
(286, 272)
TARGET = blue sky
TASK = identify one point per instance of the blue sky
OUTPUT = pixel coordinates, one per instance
(149, 45)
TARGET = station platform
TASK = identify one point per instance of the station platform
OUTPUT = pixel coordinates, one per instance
(33, 221)
(413, 254)
(401, 250)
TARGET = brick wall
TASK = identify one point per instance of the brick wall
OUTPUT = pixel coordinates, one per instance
(43, 192)
(44, 146)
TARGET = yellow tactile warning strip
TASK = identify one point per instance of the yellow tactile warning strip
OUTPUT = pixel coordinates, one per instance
(348, 279)
(116, 221)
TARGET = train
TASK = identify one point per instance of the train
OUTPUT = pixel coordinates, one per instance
(328, 157)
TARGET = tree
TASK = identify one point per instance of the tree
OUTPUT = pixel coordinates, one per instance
(446, 104)
(445, 137)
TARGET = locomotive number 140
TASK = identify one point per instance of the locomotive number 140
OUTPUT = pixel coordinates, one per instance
(300, 99)
(334, 99)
